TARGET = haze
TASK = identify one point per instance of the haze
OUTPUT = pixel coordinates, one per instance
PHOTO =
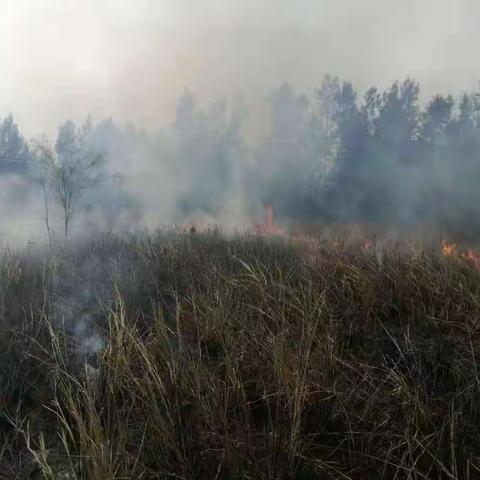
(131, 59)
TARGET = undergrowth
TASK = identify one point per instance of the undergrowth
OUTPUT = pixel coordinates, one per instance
(201, 356)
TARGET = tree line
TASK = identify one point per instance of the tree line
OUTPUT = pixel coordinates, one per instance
(332, 155)
(384, 158)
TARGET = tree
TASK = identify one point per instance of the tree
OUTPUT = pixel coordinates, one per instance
(292, 159)
(206, 149)
(398, 122)
(327, 95)
(438, 118)
(390, 174)
(14, 152)
(344, 194)
(68, 172)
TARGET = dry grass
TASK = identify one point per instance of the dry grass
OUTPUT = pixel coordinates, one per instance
(198, 356)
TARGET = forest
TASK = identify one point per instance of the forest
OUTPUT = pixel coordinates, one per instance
(385, 158)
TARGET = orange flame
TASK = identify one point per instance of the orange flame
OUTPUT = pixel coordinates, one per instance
(269, 227)
(469, 255)
(367, 245)
(472, 257)
(448, 249)
(269, 224)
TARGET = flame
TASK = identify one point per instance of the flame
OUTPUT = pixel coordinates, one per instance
(269, 224)
(367, 245)
(269, 227)
(472, 257)
(469, 255)
(448, 249)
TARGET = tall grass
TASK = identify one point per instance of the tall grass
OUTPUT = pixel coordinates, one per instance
(194, 356)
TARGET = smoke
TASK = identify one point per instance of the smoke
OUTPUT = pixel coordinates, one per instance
(258, 126)
(210, 111)
(131, 59)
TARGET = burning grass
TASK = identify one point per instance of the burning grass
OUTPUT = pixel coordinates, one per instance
(240, 357)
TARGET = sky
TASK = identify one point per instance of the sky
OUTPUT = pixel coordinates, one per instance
(131, 59)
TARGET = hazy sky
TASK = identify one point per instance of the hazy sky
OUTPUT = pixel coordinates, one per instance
(130, 59)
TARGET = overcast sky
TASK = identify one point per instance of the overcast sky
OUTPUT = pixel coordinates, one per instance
(130, 59)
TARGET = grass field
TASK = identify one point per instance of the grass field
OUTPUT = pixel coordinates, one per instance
(201, 356)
